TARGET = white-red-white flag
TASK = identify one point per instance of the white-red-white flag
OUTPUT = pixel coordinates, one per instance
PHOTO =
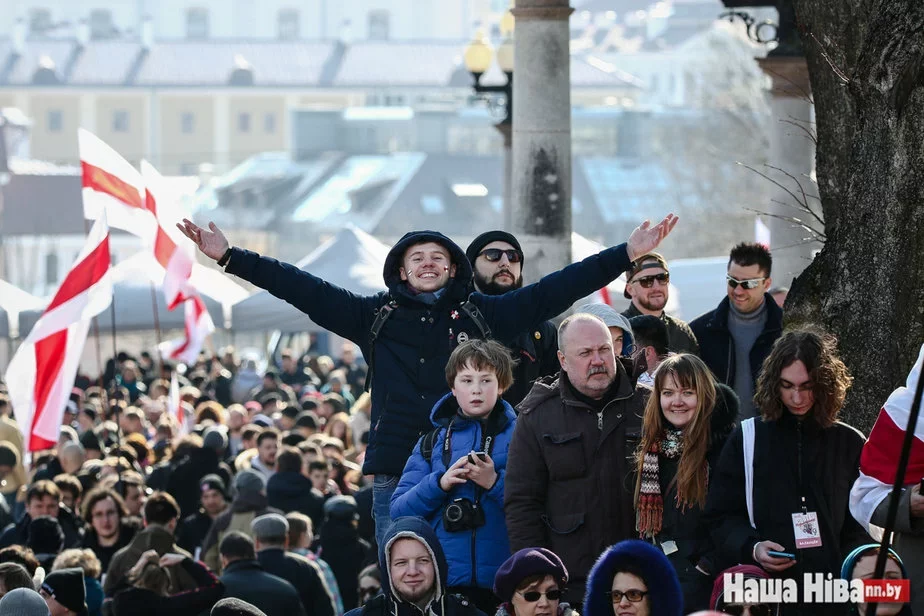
(198, 326)
(41, 374)
(175, 405)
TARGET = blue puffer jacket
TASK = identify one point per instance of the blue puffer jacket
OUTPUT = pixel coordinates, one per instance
(474, 556)
(414, 345)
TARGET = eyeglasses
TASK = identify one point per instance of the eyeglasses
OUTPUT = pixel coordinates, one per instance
(761, 609)
(646, 282)
(633, 594)
(495, 254)
(534, 595)
(750, 284)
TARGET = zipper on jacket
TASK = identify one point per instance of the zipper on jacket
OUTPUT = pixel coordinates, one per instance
(730, 380)
(600, 420)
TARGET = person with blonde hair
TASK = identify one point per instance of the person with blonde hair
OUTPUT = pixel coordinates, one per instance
(687, 419)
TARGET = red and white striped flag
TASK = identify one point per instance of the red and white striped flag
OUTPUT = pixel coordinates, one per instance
(879, 460)
(41, 374)
(198, 326)
(175, 406)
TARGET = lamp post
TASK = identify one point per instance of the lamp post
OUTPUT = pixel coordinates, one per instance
(478, 57)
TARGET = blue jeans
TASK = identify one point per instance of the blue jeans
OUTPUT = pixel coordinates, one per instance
(383, 487)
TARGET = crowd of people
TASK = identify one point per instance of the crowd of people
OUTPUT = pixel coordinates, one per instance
(477, 460)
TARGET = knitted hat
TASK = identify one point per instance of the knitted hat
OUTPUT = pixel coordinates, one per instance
(249, 483)
(214, 438)
(235, 607)
(647, 261)
(269, 526)
(486, 238)
(23, 602)
(341, 508)
(45, 535)
(527, 562)
(66, 587)
(213, 482)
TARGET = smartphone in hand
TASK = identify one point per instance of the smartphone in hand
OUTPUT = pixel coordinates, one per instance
(776, 554)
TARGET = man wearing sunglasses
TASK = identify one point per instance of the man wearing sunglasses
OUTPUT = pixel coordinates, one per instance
(648, 286)
(735, 338)
(497, 264)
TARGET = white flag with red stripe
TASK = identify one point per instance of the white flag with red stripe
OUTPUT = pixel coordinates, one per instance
(198, 326)
(879, 460)
(41, 374)
(175, 405)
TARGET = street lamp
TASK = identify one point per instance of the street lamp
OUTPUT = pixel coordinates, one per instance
(478, 57)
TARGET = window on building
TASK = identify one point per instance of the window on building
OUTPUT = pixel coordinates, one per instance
(243, 122)
(120, 121)
(269, 123)
(378, 25)
(287, 24)
(101, 24)
(55, 120)
(197, 23)
(188, 168)
(187, 122)
(51, 268)
(40, 21)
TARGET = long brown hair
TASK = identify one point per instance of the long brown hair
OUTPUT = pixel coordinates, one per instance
(830, 377)
(689, 372)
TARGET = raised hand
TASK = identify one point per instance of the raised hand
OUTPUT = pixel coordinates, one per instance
(211, 242)
(168, 560)
(646, 238)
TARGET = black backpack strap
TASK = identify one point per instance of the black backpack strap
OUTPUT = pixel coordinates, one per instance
(475, 315)
(381, 315)
(428, 442)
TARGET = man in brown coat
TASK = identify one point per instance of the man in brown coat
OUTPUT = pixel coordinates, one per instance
(570, 471)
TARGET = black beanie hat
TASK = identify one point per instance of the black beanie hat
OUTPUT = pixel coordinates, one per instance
(213, 482)
(486, 238)
(66, 587)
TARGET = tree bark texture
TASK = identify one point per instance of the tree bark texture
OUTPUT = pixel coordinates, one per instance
(867, 284)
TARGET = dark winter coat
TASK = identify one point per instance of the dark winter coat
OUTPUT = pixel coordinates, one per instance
(346, 554)
(717, 348)
(411, 350)
(246, 580)
(570, 481)
(830, 463)
(474, 555)
(129, 527)
(18, 533)
(191, 532)
(304, 575)
(537, 353)
(390, 604)
(155, 538)
(183, 483)
(142, 602)
(685, 526)
(680, 338)
(664, 596)
(243, 510)
(291, 491)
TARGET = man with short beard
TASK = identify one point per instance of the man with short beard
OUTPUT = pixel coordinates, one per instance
(570, 482)
(497, 264)
(648, 286)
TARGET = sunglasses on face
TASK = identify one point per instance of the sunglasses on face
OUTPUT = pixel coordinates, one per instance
(752, 610)
(495, 254)
(534, 595)
(633, 594)
(646, 282)
(749, 284)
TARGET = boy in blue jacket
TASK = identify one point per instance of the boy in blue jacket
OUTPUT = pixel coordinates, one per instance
(455, 477)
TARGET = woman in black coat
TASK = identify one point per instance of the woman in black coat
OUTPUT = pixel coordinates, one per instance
(804, 464)
(148, 593)
(687, 420)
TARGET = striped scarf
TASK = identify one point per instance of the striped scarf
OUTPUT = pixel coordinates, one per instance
(650, 510)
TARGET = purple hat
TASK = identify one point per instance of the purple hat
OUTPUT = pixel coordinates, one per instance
(523, 564)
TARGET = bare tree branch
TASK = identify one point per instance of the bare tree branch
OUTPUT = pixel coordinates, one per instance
(824, 54)
(819, 235)
(809, 134)
(804, 202)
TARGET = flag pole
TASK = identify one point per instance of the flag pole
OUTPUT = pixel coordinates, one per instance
(157, 333)
(116, 380)
(897, 487)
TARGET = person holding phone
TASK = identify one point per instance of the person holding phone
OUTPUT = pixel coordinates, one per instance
(455, 477)
(804, 463)
(687, 420)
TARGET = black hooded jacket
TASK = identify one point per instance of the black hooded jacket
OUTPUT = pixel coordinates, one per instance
(347, 554)
(408, 358)
(291, 491)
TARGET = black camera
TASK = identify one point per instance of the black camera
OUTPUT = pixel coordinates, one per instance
(462, 514)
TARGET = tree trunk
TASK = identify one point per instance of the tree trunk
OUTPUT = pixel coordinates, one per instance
(867, 284)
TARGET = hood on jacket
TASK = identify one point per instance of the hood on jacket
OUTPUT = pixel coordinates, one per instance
(864, 550)
(665, 597)
(419, 529)
(447, 407)
(611, 318)
(457, 286)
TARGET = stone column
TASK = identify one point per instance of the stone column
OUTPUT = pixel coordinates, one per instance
(541, 165)
(792, 150)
